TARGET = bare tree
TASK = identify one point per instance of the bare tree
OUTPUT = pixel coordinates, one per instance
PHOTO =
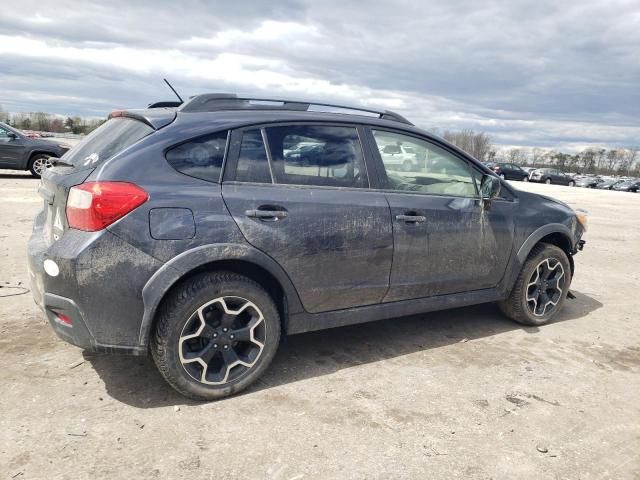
(537, 156)
(476, 144)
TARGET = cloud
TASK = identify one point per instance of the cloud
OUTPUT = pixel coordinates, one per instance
(533, 74)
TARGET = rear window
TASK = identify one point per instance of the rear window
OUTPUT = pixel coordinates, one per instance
(107, 141)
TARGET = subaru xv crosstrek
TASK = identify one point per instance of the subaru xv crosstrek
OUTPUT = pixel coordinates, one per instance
(202, 234)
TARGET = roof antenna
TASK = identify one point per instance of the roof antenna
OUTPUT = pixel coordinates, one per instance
(173, 90)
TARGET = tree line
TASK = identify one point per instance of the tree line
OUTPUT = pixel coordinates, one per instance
(594, 160)
(47, 122)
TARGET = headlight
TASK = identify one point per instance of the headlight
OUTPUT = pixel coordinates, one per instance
(64, 145)
(581, 216)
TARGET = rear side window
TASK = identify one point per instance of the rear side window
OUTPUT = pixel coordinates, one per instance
(317, 155)
(107, 141)
(200, 158)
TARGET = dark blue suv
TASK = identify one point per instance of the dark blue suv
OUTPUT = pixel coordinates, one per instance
(203, 233)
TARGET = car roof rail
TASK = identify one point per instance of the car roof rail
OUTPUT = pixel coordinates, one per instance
(213, 102)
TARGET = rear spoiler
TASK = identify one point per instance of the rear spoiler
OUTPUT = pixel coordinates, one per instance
(156, 118)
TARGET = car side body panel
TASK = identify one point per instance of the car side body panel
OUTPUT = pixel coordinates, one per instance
(131, 268)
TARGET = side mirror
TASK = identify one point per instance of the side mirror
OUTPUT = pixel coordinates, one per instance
(489, 187)
(12, 135)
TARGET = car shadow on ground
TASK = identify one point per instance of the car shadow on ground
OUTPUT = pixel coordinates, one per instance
(17, 176)
(136, 381)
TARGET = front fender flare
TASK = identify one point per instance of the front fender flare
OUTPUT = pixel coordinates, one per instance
(525, 249)
(538, 235)
(179, 266)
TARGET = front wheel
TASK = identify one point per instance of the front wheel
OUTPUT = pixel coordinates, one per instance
(38, 164)
(573, 184)
(548, 181)
(541, 287)
(216, 334)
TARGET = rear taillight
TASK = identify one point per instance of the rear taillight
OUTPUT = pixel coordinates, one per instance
(93, 206)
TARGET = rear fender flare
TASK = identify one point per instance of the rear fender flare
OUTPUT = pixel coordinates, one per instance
(179, 266)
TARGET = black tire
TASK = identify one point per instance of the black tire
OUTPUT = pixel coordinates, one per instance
(516, 306)
(525, 179)
(548, 181)
(182, 306)
(573, 184)
(36, 162)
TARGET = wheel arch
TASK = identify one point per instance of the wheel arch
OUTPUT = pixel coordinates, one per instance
(35, 152)
(244, 260)
(555, 234)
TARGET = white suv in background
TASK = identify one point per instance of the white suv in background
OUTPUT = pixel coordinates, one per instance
(404, 158)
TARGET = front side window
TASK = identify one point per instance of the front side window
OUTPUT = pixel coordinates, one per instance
(317, 155)
(415, 165)
(200, 158)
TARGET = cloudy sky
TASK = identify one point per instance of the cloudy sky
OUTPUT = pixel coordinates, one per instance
(549, 73)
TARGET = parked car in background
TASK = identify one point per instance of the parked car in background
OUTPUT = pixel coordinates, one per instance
(227, 245)
(19, 152)
(551, 175)
(588, 182)
(31, 134)
(509, 171)
(627, 186)
(528, 169)
(608, 184)
(399, 157)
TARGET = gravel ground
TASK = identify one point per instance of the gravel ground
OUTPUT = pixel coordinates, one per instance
(457, 394)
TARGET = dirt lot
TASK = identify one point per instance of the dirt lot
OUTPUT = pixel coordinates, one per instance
(456, 394)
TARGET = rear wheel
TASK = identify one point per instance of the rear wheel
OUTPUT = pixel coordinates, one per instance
(217, 333)
(525, 179)
(541, 287)
(573, 184)
(38, 164)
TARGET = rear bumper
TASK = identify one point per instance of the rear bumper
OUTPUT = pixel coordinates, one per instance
(105, 312)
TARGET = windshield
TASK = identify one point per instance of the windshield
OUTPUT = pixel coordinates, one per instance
(107, 141)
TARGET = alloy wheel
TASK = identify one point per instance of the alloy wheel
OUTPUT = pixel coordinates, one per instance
(222, 340)
(40, 164)
(545, 287)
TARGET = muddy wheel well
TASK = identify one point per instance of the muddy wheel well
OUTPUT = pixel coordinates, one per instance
(561, 241)
(242, 267)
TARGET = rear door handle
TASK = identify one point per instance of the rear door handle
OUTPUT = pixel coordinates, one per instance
(267, 214)
(411, 218)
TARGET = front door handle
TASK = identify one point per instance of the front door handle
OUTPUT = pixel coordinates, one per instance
(411, 218)
(266, 214)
